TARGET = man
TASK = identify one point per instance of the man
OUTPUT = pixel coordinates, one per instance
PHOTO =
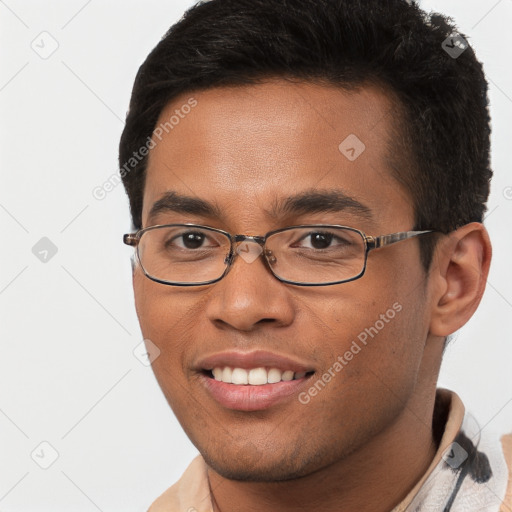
(307, 182)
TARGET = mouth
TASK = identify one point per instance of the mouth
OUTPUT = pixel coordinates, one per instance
(253, 381)
(254, 376)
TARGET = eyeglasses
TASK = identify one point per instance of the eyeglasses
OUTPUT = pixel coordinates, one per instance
(312, 255)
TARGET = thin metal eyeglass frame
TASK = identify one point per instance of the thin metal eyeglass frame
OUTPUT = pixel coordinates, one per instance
(370, 243)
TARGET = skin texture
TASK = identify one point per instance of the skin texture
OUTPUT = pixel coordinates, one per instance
(365, 439)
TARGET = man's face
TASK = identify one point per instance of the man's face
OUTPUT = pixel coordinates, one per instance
(244, 150)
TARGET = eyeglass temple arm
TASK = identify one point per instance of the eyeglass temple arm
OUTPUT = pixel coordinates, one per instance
(130, 239)
(393, 238)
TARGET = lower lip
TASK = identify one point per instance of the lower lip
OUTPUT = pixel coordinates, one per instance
(252, 398)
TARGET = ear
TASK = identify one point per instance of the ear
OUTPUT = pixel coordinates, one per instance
(459, 275)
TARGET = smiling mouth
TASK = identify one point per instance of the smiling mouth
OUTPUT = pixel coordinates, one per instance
(254, 376)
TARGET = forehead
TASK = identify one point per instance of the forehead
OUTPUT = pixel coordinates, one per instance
(245, 148)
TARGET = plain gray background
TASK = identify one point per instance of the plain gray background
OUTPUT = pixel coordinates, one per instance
(68, 376)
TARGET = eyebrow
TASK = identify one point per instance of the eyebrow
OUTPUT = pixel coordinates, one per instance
(174, 202)
(319, 201)
(309, 201)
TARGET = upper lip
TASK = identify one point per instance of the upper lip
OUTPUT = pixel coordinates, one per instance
(253, 359)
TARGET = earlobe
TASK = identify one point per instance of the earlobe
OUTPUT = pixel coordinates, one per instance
(463, 261)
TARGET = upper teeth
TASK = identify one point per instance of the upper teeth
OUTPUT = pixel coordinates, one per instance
(256, 376)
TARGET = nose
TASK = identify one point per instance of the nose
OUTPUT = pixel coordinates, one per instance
(249, 295)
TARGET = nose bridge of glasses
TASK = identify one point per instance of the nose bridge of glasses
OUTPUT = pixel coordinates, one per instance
(260, 240)
(249, 248)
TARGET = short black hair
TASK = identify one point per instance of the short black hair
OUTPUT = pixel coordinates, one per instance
(440, 149)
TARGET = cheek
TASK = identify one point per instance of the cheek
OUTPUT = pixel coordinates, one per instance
(372, 370)
(377, 337)
(159, 317)
(158, 306)
(170, 318)
(159, 320)
(145, 304)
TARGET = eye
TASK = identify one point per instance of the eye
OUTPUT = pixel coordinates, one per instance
(323, 239)
(189, 240)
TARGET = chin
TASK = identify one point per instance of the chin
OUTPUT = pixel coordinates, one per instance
(250, 466)
(256, 473)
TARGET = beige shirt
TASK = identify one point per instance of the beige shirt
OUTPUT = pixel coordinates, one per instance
(192, 493)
